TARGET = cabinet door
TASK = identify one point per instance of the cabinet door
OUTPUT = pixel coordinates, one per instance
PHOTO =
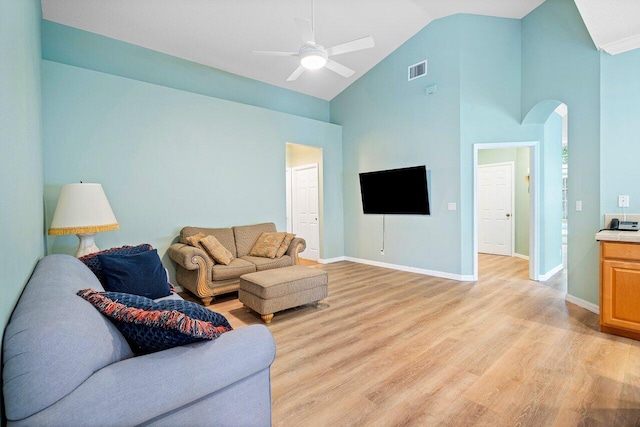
(621, 294)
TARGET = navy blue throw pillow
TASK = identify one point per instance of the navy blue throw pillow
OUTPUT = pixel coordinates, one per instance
(139, 274)
(151, 326)
(93, 262)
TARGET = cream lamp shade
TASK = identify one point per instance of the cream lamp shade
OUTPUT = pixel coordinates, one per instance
(83, 209)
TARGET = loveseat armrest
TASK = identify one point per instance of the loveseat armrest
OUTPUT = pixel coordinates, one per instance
(142, 388)
(297, 245)
(187, 256)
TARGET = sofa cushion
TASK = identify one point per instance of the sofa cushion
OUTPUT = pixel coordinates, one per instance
(262, 263)
(216, 250)
(247, 235)
(55, 340)
(234, 270)
(284, 246)
(267, 245)
(93, 262)
(196, 241)
(224, 236)
(139, 274)
(152, 326)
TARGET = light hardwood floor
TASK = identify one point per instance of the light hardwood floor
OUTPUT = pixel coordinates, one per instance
(392, 348)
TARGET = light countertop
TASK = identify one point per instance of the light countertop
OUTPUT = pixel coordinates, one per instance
(619, 236)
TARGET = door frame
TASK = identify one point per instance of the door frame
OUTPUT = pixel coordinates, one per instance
(534, 198)
(513, 201)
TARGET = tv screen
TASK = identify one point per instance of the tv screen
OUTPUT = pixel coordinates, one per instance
(395, 191)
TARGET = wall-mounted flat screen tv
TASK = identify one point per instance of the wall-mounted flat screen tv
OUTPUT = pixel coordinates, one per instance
(395, 191)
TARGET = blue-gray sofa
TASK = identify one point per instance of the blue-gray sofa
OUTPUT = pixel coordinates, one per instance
(65, 364)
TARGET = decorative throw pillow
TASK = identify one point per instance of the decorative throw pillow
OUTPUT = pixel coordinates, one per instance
(93, 262)
(215, 249)
(285, 244)
(152, 326)
(139, 274)
(195, 241)
(267, 244)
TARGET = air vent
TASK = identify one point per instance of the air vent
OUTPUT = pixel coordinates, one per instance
(418, 70)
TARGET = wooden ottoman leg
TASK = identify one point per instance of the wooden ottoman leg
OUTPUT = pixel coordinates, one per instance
(319, 302)
(267, 317)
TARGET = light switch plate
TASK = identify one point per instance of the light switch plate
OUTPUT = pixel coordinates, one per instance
(623, 201)
(579, 205)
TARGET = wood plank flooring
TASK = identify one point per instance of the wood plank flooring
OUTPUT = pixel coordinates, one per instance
(391, 348)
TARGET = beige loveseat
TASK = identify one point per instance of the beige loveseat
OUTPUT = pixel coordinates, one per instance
(196, 272)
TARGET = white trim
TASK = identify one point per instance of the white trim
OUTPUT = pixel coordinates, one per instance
(550, 273)
(331, 260)
(534, 197)
(582, 303)
(517, 255)
(458, 277)
(620, 46)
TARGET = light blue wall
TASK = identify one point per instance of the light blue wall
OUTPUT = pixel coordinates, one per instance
(389, 123)
(21, 210)
(560, 62)
(551, 203)
(169, 158)
(620, 131)
(490, 52)
(72, 46)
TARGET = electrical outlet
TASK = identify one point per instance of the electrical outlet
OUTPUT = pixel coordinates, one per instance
(578, 205)
(623, 201)
(381, 251)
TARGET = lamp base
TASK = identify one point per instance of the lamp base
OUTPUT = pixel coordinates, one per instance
(87, 245)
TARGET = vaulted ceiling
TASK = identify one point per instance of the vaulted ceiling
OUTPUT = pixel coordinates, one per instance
(222, 33)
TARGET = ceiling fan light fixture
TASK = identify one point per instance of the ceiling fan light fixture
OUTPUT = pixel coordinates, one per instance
(313, 59)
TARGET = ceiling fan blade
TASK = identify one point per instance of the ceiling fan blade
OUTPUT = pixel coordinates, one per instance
(273, 53)
(363, 43)
(339, 68)
(296, 74)
(305, 29)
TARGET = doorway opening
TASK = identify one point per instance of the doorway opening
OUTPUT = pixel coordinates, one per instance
(505, 201)
(546, 179)
(304, 197)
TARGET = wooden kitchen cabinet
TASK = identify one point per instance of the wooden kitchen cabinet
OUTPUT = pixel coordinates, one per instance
(620, 288)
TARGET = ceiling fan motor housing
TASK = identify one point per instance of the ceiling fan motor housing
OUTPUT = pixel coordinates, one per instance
(313, 57)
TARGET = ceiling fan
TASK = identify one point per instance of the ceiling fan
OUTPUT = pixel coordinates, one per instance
(314, 56)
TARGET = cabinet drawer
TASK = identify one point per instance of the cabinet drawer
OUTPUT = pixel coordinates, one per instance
(620, 250)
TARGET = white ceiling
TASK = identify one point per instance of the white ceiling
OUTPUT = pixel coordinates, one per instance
(222, 33)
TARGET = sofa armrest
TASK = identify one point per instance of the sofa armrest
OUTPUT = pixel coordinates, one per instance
(141, 388)
(296, 246)
(185, 255)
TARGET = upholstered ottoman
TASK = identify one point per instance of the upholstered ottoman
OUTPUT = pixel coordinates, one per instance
(269, 291)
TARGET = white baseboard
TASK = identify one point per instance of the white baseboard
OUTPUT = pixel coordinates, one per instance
(521, 256)
(331, 260)
(582, 303)
(458, 277)
(547, 276)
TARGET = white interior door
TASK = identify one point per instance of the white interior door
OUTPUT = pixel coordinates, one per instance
(305, 208)
(495, 209)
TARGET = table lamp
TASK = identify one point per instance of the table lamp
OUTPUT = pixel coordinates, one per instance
(83, 209)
